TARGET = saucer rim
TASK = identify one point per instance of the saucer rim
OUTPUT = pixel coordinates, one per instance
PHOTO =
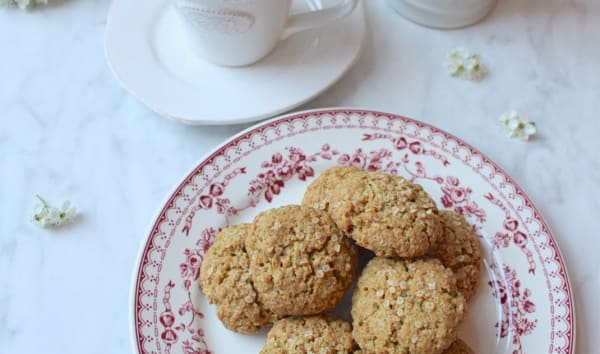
(233, 120)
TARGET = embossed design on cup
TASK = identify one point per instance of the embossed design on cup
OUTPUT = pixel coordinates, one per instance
(241, 32)
(224, 21)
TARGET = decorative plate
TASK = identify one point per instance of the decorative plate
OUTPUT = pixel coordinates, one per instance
(524, 303)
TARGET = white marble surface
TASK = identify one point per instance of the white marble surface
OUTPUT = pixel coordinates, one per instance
(70, 131)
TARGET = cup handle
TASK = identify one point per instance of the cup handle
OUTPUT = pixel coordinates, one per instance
(312, 19)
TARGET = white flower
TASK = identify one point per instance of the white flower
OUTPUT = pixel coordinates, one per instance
(517, 126)
(23, 4)
(45, 215)
(465, 65)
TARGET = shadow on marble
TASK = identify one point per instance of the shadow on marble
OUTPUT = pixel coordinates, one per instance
(344, 89)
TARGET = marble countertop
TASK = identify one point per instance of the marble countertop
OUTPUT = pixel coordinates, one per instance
(69, 131)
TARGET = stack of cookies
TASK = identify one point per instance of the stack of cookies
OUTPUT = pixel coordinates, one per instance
(291, 261)
(294, 263)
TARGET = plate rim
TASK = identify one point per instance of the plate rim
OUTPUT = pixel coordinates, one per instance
(235, 120)
(305, 114)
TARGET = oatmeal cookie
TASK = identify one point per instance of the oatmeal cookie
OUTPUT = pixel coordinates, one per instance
(300, 261)
(459, 347)
(402, 306)
(460, 250)
(310, 335)
(226, 282)
(318, 193)
(386, 214)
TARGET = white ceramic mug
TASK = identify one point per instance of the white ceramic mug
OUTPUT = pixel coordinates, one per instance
(443, 13)
(241, 32)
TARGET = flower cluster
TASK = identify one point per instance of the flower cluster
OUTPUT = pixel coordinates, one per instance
(376, 160)
(465, 65)
(517, 126)
(190, 269)
(517, 306)
(458, 198)
(282, 169)
(46, 215)
(23, 4)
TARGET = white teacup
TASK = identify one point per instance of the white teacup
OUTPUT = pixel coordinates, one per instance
(241, 32)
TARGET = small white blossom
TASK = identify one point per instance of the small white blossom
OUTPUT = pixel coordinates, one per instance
(23, 4)
(517, 126)
(45, 215)
(465, 65)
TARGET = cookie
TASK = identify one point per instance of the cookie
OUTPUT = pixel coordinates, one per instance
(459, 347)
(460, 250)
(318, 193)
(301, 263)
(310, 335)
(386, 214)
(226, 282)
(403, 306)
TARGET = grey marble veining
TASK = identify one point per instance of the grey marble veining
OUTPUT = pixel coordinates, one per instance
(68, 130)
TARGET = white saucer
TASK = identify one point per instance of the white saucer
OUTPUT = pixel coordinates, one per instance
(146, 50)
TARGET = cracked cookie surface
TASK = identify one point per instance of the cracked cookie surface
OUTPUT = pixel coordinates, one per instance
(226, 282)
(301, 263)
(460, 250)
(319, 192)
(314, 334)
(402, 306)
(386, 214)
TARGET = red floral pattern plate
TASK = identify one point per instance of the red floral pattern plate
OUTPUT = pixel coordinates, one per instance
(524, 304)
